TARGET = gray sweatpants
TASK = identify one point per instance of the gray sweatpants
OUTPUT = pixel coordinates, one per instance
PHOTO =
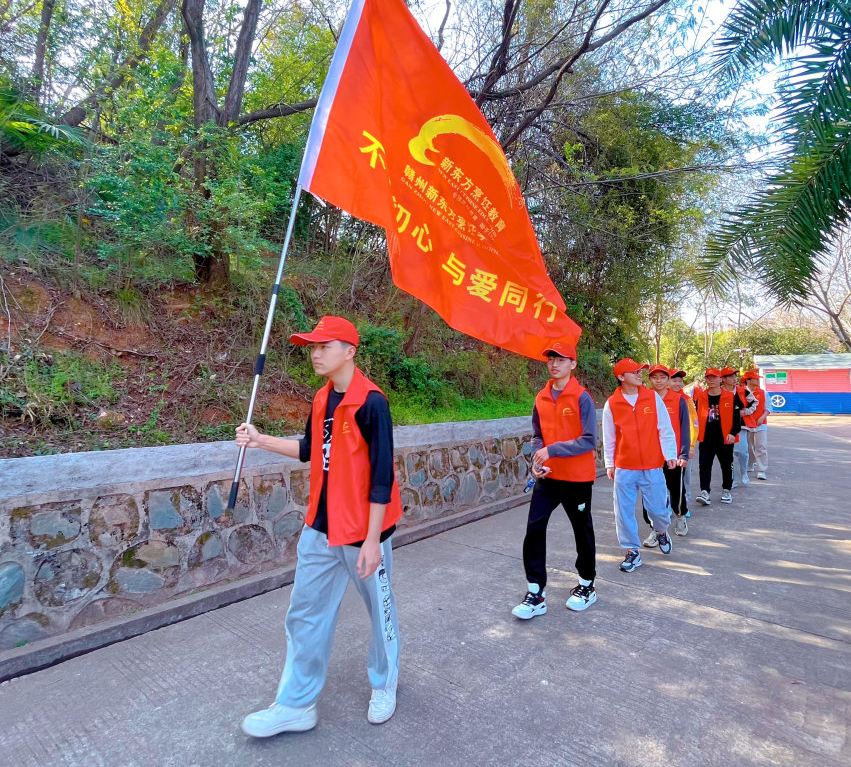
(322, 574)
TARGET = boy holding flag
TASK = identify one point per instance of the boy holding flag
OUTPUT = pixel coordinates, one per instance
(352, 511)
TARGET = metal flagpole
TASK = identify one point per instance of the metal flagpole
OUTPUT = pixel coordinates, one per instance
(261, 358)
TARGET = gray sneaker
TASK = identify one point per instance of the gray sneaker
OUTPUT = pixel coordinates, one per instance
(681, 526)
(703, 498)
(652, 540)
(726, 496)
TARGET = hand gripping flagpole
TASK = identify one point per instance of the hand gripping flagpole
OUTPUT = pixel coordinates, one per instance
(261, 357)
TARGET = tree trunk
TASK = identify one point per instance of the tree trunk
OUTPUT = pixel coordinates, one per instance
(241, 60)
(41, 48)
(77, 114)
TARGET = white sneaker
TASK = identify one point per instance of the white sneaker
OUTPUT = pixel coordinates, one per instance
(746, 480)
(726, 496)
(680, 526)
(581, 597)
(382, 704)
(652, 540)
(277, 718)
(703, 498)
(533, 603)
(761, 475)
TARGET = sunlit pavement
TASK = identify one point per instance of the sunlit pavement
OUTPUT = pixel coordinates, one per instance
(735, 650)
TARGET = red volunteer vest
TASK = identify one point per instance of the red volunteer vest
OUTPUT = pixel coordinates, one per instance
(347, 494)
(750, 420)
(637, 443)
(725, 405)
(742, 391)
(672, 402)
(560, 422)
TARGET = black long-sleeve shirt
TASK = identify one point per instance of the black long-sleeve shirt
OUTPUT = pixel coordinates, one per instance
(376, 427)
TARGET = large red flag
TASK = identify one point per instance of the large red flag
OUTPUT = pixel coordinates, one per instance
(397, 140)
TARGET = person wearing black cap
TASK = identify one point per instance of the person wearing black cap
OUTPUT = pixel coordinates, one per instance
(564, 441)
(353, 507)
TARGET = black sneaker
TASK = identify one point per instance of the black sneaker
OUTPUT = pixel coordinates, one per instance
(665, 543)
(631, 561)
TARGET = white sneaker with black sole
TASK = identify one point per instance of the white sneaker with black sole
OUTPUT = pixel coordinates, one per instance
(761, 475)
(533, 603)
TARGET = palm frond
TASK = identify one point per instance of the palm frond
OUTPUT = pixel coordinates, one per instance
(782, 233)
(756, 31)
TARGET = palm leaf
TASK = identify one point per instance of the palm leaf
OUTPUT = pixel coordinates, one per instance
(781, 235)
(757, 31)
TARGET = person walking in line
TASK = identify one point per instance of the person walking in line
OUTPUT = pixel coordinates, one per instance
(755, 424)
(718, 423)
(659, 376)
(637, 440)
(354, 505)
(564, 441)
(747, 404)
(677, 383)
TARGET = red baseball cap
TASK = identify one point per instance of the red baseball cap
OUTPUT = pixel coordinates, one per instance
(328, 328)
(659, 369)
(727, 371)
(677, 372)
(712, 372)
(561, 348)
(628, 365)
(748, 374)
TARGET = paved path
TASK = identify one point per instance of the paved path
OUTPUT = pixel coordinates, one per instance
(736, 650)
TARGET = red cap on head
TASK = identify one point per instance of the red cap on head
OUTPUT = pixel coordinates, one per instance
(750, 374)
(678, 373)
(727, 371)
(628, 365)
(659, 369)
(712, 372)
(561, 348)
(328, 328)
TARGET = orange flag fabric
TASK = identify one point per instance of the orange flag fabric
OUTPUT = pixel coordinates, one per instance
(397, 140)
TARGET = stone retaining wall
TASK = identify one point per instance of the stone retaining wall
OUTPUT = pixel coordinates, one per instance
(90, 537)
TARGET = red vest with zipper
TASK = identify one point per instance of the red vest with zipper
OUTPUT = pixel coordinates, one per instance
(672, 402)
(637, 443)
(561, 421)
(347, 494)
(725, 407)
(750, 420)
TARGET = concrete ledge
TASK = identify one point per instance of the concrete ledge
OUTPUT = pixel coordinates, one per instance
(42, 475)
(47, 652)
